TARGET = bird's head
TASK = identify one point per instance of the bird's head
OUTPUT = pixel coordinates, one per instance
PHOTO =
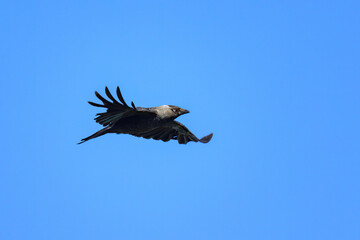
(170, 111)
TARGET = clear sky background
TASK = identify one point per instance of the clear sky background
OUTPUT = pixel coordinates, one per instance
(277, 82)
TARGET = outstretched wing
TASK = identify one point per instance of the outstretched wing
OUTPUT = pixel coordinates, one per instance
(116, 110)
(174, 130)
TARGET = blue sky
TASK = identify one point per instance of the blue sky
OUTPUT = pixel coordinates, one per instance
(278, 83)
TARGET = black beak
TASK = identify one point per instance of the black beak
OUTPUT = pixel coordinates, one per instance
(184, 111)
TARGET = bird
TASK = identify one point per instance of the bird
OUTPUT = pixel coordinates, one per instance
(156, 123)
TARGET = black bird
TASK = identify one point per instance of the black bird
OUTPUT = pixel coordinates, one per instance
(155, 122)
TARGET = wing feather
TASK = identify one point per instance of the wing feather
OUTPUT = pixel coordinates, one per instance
(110, 96)
(96, 104)
(120, 96)
(116, 110)
(173, 130)
(105, 102)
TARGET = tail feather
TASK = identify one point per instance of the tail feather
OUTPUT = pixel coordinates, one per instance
(95, 135)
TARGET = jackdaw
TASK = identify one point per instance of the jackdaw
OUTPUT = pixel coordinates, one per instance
(156, 122)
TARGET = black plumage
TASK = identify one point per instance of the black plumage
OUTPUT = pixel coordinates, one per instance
(156, 122)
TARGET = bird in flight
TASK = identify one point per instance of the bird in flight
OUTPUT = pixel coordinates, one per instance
(157, 123)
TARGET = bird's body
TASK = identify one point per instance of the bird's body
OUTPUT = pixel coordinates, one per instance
(156, 122)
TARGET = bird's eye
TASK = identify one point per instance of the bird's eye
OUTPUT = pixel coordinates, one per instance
(174, 110)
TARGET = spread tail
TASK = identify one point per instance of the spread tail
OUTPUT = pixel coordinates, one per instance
(95, 135)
